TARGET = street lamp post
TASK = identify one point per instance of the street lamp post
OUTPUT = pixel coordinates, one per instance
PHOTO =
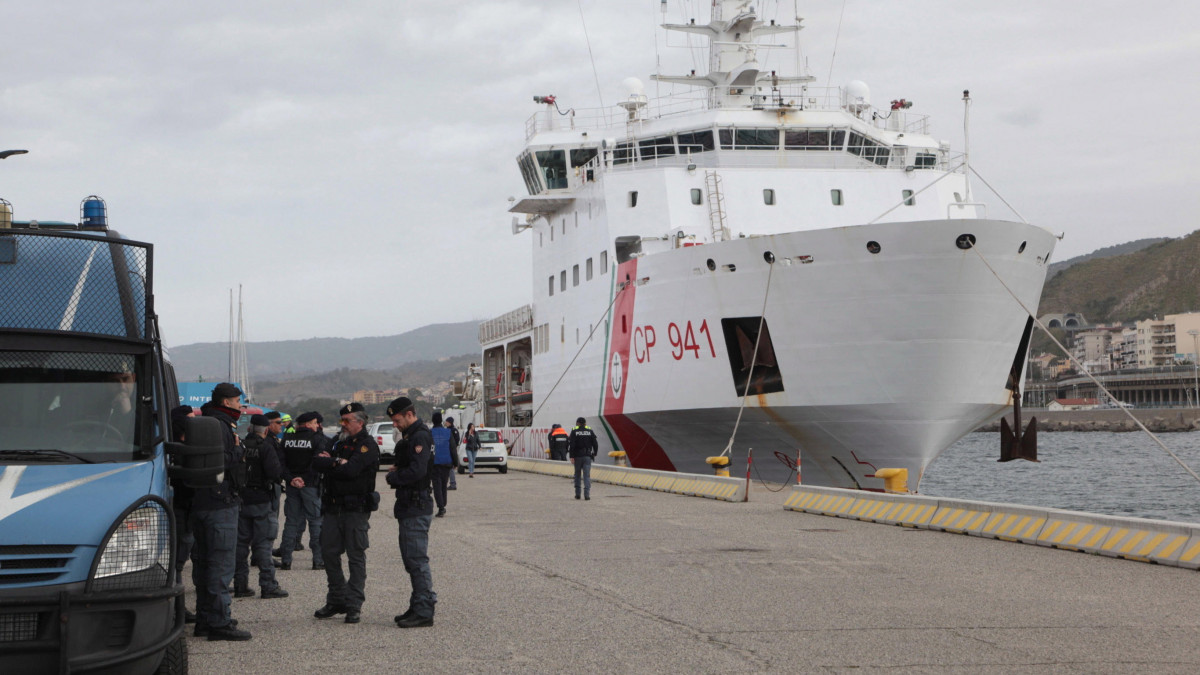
(1196, 364)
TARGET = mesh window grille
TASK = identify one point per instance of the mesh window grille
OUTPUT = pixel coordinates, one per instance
(138, 553)
(83, 284)
(19, 627)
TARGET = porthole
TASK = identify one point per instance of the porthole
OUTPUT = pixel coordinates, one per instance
(769, 257)
(696, 195)
(873, 247)
(712, 266)
(1021, 248)
(965, 241)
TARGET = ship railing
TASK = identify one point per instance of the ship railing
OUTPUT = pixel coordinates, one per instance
(510, 323)
(784, 98)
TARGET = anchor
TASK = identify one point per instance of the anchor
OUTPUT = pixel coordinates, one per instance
(1013, 443)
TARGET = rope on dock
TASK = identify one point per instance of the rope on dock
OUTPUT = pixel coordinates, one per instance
(1082, 369)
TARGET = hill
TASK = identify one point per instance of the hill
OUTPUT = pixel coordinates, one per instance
(1161, 279)
(341, 383)
(289, 359)
(1107, 252)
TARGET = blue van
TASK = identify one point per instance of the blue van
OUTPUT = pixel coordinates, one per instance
(87, 532)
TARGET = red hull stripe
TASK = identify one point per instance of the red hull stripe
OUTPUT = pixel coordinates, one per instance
(642, 451)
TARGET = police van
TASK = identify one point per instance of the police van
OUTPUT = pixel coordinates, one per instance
(87, 532)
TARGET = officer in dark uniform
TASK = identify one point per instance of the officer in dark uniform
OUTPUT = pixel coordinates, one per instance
(411, 476)
(583, 451)
(255, 531)
(274, 431)
(214, 524)
(303, 502)
(559, 443)
(348, 498)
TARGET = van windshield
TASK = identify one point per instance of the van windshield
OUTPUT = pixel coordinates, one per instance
(68, 407)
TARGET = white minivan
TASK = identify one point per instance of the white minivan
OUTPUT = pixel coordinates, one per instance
(492, 452)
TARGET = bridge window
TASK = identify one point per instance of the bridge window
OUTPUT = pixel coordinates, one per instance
(925, 160)
(696, 141)
(623, 154)
(812, 139)
(868, 149)
(657, 147)
(554, 168)
(749, 139)
(581, 156)
(529, 173)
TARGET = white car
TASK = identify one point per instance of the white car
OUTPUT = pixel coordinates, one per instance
(384, 435)
(492, 452)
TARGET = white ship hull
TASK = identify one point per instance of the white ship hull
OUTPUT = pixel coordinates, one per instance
(884, 359)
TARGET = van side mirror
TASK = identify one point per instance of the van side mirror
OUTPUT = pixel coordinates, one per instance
(199, 461)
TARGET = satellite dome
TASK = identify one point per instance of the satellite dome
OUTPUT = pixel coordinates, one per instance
(857, 96)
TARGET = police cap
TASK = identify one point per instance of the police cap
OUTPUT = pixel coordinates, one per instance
(352, 408)
(225, 390)
(398, 406)
(259, 420)
(273, 415)
(307, 417)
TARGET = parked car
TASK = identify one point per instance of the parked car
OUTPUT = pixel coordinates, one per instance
(492, 452)
(384, 435)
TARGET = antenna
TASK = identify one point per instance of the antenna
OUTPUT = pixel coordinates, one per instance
(967, 140)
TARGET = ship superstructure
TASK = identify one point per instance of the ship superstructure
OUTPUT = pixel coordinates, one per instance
(764, 250)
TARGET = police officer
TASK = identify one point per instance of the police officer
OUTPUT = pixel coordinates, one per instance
(274, 431)
(414, 509)
(303, 489)
(214, 524)
(255, 532)
(348, 499)
(559, 443)
(583, 451)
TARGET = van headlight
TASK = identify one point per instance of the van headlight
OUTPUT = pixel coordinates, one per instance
(137, 551)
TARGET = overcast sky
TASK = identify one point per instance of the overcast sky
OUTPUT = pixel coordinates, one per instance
(349, 163)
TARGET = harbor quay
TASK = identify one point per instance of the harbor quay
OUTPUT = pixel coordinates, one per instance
(531, 580)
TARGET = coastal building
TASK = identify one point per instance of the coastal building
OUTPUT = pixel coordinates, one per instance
(373, 396)
(1099, 348)
(1187, 335)
(1167, 341)
(1073, 404)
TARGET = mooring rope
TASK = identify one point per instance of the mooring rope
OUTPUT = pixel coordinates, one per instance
(1081, 367)
(762, 317)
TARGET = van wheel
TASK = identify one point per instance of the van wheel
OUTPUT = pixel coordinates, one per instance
(175, 659)
(504, 469)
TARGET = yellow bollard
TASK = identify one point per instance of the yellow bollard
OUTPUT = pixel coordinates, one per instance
(894, 480)
(619, 458)
(720, 465)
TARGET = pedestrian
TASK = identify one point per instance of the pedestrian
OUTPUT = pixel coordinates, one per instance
(348, 498)
(182, 502)
(274, 431)
(583, 451)
(288, 426)
(255, 532)
(559, 443)
(303, 503)
(214, 524)
(454, 441)
(414, 509)
(442, 462)
(472, 444)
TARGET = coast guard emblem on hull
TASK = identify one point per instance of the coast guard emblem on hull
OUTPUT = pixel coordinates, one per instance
(615, 378)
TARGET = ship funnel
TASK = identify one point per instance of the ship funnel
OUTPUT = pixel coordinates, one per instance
(93, 213)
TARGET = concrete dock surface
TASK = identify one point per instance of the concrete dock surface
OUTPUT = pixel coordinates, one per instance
(531, 580)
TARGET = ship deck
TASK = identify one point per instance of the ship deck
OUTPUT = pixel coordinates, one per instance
(531, 580)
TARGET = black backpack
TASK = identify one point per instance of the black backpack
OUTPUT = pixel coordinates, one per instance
(255, 474)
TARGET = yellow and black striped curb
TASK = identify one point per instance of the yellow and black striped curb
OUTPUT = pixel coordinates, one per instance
(693, 485)
(1142, 539)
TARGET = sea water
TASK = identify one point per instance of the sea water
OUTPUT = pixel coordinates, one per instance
(1121, 474)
